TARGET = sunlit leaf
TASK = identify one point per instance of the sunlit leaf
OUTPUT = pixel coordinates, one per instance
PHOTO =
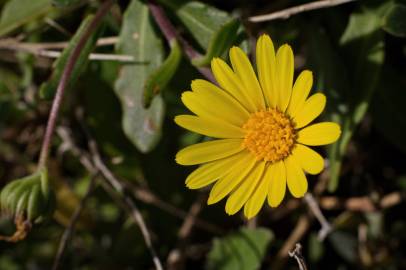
(202, 20)
(394, 20)
(139, 39)
(219, 43)
(243, 250)
(18, 12)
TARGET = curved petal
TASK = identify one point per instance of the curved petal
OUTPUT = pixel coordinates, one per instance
(230, 82)
(277, 183)
(210, 172)
(240, 196)
(297, 182)
(209, 126)
(310, 161)
(208, 151)
(243, 68)
(266, 63)
(222, 105)
(255, 203)
(319, 134)
(312, 108)
(227, 183)
(284, 72)
(301, 90)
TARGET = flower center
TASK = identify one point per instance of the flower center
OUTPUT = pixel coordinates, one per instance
(269, 135)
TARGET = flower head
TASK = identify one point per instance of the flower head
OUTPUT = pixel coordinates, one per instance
(262, 128)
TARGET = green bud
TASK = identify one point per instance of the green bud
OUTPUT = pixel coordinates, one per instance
(28, 200)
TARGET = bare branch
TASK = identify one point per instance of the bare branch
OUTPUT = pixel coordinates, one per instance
(286, 13)
(297, 254)
(71, 228)
(315, 209)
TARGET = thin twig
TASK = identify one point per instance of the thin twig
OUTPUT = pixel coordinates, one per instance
(121, 190)
(176, 255)
(53, 116)
(63, 243)
(93, 56)
(170, 34)
(56, 54)
(15, 44)
(362, 204)
(301, 227)
(142, 194)
(297, 254)
(286, 13)
(315, 209)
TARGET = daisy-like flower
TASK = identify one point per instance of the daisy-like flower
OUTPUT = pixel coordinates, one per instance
(261, 126)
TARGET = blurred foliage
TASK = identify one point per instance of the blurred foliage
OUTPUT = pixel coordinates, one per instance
(356, 52)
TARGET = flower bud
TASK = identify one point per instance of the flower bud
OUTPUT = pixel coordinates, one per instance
(28, 200)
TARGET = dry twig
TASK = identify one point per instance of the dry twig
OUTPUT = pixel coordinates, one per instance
(315, 209)
(63, 243)
(286, 13)
(297, 254)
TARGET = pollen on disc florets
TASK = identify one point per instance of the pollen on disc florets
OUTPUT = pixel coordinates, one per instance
(269, 135)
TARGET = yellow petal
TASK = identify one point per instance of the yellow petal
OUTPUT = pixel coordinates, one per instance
(230, 82)
(284, 72)
(297, 182)
(243, 68)
(277, 183)
(209, 126)
(240, 196)
(319, 134)
(210, 172)
(266, 63)
(254, 204)
(208, 151)
(310, 110)
(227, 183)
(300, 91)
(310, 161)
(222, 105)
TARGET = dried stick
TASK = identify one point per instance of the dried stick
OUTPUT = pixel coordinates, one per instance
(142, 194)
(286, 13)
(297, 254)
(64, 81)
(170, 34)
(302, 226)
(315, 209)
(175, 255)
(15, 44)
(361, 204)
(120, 189)
(70, 229)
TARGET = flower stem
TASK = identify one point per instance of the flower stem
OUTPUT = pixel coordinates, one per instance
(63, 83)
(169, 31)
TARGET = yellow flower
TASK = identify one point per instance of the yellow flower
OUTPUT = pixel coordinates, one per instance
(261, 126)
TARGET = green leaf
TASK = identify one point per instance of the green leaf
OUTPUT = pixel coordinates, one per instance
(394, 20)
(345, 245)
(219, 43)
(158, 80)
(243, 250)
(363, 47)
(18, 12)
(139, 39)
(64, 3)
(202, 20)
(48, 88)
